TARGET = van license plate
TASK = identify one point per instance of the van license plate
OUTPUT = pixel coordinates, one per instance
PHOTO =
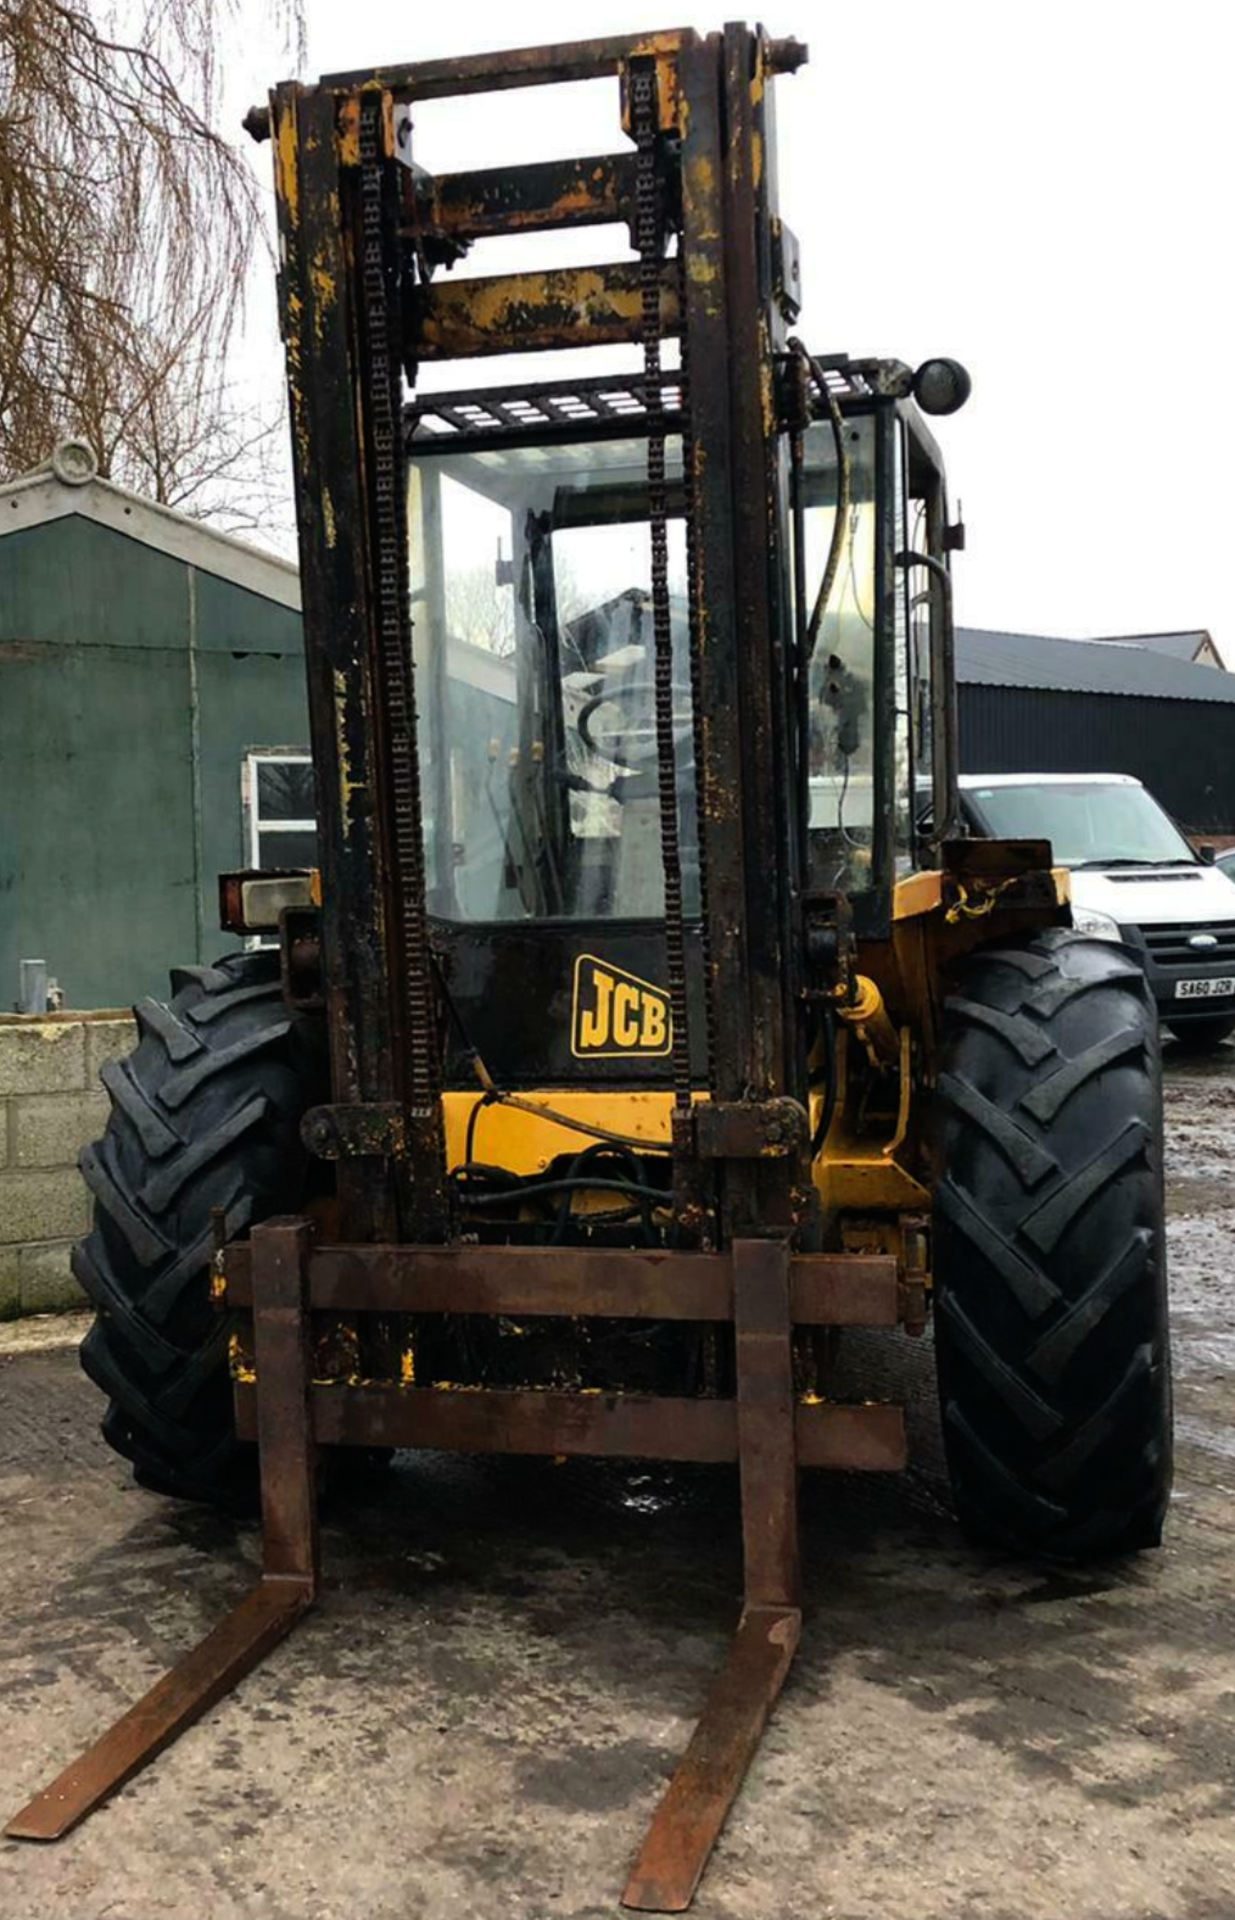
(1204, 989)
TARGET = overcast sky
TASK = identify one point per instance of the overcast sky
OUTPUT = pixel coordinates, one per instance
(1044, 192)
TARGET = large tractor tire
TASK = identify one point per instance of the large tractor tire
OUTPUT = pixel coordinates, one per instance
(205, 1113)
(1050, 1259)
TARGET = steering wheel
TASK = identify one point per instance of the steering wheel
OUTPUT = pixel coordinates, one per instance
(629, 739)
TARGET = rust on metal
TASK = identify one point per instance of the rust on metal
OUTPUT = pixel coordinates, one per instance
(843, 1290)
(767, 1444)
(289, 1563)
(693, 1811)
(868, 1438)
(605, 1281)
(516, 1420)
(707, 1781)
(537, 198)
(536, 312)
(237, 1644)
(373, 1129)
(516, 67)
(287, 1450)
(826, 1289)
(750, 1129)
(786, 56)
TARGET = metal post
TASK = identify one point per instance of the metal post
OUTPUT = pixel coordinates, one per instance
(689, 1819)
(32, 994)
(286, 1447)
(767, 1455)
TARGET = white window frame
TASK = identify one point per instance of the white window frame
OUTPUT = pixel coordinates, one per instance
(254, 825)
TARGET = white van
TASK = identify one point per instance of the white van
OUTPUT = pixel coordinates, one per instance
(1134, 879)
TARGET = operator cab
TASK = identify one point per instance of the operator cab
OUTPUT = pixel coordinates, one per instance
(533, 633)
(536, 658)
(881, 759)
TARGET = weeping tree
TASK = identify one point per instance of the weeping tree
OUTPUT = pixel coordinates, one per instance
(127, 225)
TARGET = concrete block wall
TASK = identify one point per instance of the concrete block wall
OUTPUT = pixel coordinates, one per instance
(51, 1105)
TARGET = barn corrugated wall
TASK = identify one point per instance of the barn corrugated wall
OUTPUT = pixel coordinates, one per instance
(1182, 750)
(131, 687)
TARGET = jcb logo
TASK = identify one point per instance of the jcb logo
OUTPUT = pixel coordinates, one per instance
(617, 1013)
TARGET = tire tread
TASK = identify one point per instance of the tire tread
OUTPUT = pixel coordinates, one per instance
(205, 1115)
(1051, 1331)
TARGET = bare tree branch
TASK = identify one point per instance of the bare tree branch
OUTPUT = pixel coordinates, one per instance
(127, 223)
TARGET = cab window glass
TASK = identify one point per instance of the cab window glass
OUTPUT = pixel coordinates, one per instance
(842, 671)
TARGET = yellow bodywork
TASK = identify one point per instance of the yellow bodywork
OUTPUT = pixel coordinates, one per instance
(867, 1163)
(865, 1166)
(513, 1138)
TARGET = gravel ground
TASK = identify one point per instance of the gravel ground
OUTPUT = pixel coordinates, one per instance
(478, 1719)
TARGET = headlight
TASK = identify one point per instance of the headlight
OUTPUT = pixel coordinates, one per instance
(1099, 926)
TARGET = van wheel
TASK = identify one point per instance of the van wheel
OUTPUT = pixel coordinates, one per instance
(1050, 1259)
(1202, 1036)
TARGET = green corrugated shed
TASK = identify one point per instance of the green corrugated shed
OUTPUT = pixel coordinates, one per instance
(142, 658)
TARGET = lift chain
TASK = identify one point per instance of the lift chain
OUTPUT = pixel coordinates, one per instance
(649, 246)
(695, 616)
(383, 398)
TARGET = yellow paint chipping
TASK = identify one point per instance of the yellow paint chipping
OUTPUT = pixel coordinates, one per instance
(520, 310)
(348, 136)
(325, 293)
(287, 167)
(347, 786)
(767, 391)
(238, 1362)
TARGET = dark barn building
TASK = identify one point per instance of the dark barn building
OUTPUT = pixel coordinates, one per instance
(151, 689)
(1030, 704)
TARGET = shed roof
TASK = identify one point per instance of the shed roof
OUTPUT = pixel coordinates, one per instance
(992, 659)
(1180, 646)
(63, 489)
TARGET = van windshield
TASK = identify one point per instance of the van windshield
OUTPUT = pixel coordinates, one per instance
(1087, 824)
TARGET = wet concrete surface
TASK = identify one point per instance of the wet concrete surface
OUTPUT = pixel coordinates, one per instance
(478, 1719)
